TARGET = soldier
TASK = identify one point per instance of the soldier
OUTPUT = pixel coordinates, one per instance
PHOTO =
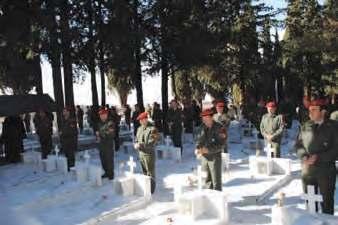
(209, 145)
(68, 136)
(146, 139)
(272, 128)
(105, 136)
(44, 129)
(222, 118)
(317, 148)
(157, 116)
(174, 119)
(79, 116)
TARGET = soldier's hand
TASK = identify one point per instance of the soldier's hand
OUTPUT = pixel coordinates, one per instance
(137, 146)
(204, 151)
(197, 152)
(312, 159)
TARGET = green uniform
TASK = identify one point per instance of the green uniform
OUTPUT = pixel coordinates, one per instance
(147, 137)
(44, 129)
(211, 138)
(272, 124)
(223, 119)
(321, 140)
(68, 139)
(174, 120)
(106, 147)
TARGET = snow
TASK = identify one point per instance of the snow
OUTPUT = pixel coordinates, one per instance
(52, 198)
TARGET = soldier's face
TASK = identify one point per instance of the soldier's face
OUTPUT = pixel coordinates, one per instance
(272, 110)
(315, 113)
(220, 109)
(144, 122)
(104, 117)
(207, 120)
(65, 113)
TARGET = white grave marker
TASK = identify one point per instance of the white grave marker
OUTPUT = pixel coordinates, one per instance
(312, 199)
(131, 165)
(200, 175)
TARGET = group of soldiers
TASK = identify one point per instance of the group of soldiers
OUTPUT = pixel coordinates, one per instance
(317, 142)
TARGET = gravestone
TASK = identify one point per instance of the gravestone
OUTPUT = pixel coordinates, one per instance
(312, 199)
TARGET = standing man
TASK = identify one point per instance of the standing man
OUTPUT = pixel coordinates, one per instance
(317, 148)
(68, 136)
(146, 139)
(209, 145)
(175, 119)
(222, 118)
(127, 115)
(44, 129)
(79, 116)
(105, 136)
(271, 127)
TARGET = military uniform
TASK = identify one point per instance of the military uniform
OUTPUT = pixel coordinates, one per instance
(106, 134)
(68, 139)
(320, 139)
(147, 137)
(224, 120)
(272, 124)
(213, 139)
(174, 120)
(44, 129)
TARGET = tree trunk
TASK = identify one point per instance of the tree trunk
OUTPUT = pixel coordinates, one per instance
(103, 81)
(55, 57)
(66, 55)
(164, 76)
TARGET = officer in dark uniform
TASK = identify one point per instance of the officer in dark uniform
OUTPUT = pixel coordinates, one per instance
(209, 145)
(105, 136)
(175, 119)
(146, 139)
(68, 136)
(317, 147)
(44, 128)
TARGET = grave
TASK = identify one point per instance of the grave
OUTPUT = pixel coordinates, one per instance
(168, 151)
(261, 165)
(86, 172)
(291, 215)
(235, 132)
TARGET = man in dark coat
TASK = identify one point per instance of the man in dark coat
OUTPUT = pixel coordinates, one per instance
(13, 132)
(79, 116)
(68, 136)
(43, 122)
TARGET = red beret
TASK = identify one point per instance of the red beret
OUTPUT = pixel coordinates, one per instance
(318, 102)
(103, 111)
(142, 116)
(271, 104)
(207, 112)
(220, 104)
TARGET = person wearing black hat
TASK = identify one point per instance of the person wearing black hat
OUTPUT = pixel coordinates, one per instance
(317, 148)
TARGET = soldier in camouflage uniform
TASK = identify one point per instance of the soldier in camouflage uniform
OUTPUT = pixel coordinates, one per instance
(146, 139)
(272, 128)
(222, 118)
(68, 136)
(317, 148)
(105, 135)
(209, 145)
(175, 119)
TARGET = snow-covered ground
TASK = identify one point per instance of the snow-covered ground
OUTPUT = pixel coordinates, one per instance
(34, 197)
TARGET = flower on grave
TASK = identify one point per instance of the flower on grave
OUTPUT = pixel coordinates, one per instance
(170, 220)
(104, 197)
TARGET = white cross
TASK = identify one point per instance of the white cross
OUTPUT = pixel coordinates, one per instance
(57, 150)
(269, 150)
(131, 165)
(86, 157)
(312, 198)
(167, 141)
(200, 175)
